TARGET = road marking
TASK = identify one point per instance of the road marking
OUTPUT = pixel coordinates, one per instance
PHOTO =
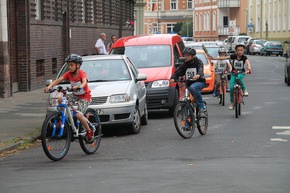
(281, 127)
(278, 139)
(286, 132)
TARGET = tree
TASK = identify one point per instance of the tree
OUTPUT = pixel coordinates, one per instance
(177, 27)
(187, 29)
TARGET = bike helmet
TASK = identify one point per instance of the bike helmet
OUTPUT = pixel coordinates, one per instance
(222, 50)
(74, 58)
(189, 50)
(240, 45)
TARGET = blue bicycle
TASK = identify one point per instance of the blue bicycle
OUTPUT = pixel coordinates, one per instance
(61, 127)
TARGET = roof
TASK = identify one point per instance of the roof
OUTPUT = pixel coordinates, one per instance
(101, 57)
(147, 40)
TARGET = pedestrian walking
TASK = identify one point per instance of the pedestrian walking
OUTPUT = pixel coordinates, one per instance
(100, 45)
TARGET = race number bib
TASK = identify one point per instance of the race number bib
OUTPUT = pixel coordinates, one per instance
(79, 92)
(221, 66)
(190, 72)
(238, 65)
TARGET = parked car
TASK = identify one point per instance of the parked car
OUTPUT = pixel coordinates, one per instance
(256, 46)
(195, 45)
(155, 55)
(272, 47)
(117, 88)
(234, 40)
(209, 75)
(187, 40)
(248, 44)
(212, 50)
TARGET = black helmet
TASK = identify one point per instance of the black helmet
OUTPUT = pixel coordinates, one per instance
(74, 58)
(240, 45)
(189, 50)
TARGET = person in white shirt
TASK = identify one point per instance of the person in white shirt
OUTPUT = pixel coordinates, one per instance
(100, 46)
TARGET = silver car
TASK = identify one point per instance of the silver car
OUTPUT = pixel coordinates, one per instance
(118, 90)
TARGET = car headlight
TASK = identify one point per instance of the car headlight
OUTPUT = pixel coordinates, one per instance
(160, 83)
(120, 98)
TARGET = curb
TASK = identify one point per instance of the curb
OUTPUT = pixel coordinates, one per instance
(13, 146)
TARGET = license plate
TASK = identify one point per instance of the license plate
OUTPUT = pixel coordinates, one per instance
(100, 111)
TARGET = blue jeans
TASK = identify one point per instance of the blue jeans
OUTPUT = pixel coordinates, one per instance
(195, 89)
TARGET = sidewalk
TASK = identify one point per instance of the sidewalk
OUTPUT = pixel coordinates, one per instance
(21, 118)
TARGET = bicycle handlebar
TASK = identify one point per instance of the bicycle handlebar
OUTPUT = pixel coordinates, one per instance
(61, 89)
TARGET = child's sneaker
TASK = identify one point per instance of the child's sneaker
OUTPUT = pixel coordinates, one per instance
(228, 90)
(214, 93)
(231, 107)
(90, 136)
(245, 93)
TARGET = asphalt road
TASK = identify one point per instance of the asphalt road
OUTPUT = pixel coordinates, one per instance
(250, 154)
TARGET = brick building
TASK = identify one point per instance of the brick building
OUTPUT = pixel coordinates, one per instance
(216, 19)
(160, 16)
(37, 35)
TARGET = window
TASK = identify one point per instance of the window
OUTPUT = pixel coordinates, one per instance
(189, 4)
(176, 54)
(155, 28)
(170, 28)
(38, 9)
(214, 21)
(153, 5)
(173, 4)
(40, 68)
(54, 65)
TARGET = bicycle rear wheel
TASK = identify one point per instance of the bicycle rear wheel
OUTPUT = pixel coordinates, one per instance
(201, 122)
(55, 141)
(184, 120)
(90, 148)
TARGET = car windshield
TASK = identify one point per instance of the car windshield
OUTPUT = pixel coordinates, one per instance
(213, 51)
(202, 57)
(103, 70)
(260, 42)
(275, 44)
(243, 39)
(149, 56)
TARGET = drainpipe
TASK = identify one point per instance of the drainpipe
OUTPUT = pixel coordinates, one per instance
(6, 84)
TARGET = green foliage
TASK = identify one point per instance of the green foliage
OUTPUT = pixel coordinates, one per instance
(177, 27)
(187, 29)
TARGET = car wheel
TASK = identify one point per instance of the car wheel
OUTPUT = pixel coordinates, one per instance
(171, 109)
(135, 126)
(144, 118)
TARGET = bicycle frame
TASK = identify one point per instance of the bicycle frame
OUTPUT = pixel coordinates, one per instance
(65, 113)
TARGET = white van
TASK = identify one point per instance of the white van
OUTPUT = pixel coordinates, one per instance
(234, 40)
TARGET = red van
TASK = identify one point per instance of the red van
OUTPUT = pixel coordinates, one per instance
(155, 56)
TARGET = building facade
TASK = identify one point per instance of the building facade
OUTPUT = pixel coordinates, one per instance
(269, 19)
(217, 19)
(160, 16)
(37, 35)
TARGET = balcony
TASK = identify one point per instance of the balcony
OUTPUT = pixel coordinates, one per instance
(226, 31)
(228, 3)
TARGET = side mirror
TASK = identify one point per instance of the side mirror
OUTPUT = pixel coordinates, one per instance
(141, 77)
(180, 61)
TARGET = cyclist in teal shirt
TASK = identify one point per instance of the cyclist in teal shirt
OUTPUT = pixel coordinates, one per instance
(241, 65)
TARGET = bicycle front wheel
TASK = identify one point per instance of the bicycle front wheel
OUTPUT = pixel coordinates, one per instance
(93, 118)
(236, 102)
(223, 91)
(55, 140)
(184, 120)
